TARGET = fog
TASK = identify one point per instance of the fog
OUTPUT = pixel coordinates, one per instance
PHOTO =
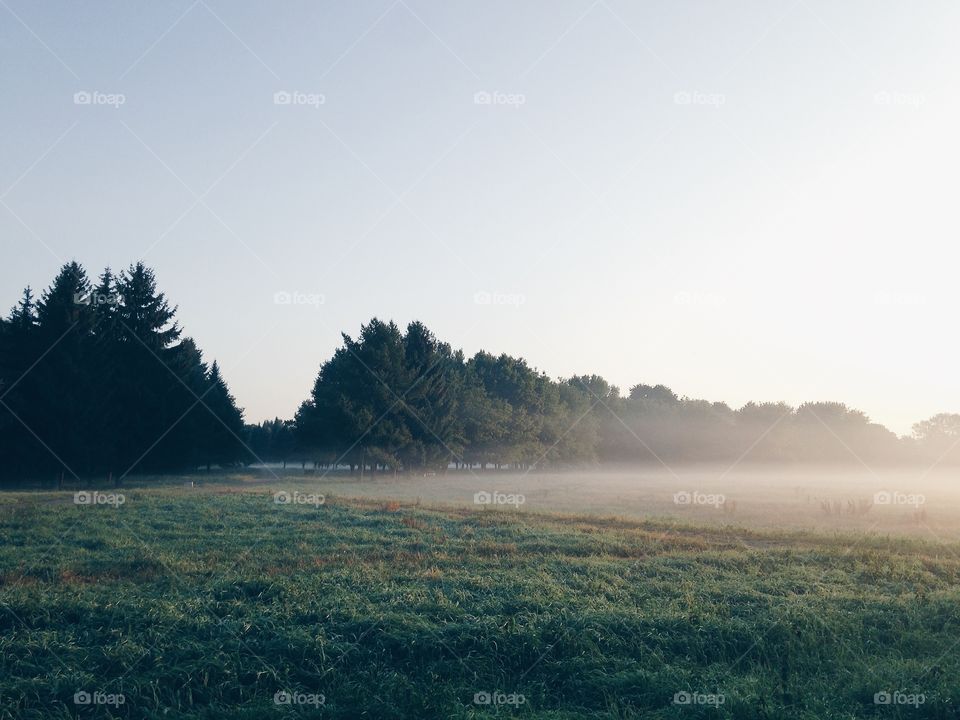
(832, 499)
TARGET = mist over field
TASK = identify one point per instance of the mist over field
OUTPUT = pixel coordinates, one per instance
(831, 499)
(411, 359)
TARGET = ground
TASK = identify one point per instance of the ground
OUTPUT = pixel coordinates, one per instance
(213, 601)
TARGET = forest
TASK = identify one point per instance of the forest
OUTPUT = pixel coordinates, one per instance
(98, 379)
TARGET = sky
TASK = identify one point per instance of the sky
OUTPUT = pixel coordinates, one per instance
(743, 201)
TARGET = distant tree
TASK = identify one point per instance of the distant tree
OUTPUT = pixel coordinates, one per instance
(150, 396)
(574, 436)
(596, 387)
(386, 398)
(830, 431)
(762, 431)
(106, 370)
(272, 440)
(223, 442)
(18, 351)
(518, 392)
(938, 438)
(61, 410)
(431, 389)
(657, 393)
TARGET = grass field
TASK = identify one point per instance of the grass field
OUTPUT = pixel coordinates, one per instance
(763, 497)
(208, 602)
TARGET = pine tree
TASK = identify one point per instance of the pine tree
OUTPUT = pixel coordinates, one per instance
(18, 344)
(223, 439)
(97, 380)
(60, 413)
(104, 370)
(157, 378)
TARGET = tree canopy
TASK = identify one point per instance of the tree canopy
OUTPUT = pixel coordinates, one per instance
(97, 377)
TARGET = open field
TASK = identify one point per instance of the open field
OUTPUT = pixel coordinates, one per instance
(207, 602)
(924, 504)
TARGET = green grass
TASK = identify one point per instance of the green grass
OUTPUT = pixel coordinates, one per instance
(206, 604)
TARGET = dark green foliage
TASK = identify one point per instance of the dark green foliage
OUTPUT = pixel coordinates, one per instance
(222, 442)
(272, 440)
(406, 401)
(97, 380)
(386, 398)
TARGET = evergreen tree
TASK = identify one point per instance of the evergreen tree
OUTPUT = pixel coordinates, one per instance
(60, 413)
(148, 392)
(18, 351)
(96, 380)
(223, 440)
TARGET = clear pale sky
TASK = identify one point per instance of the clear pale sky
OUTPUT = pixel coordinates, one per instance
(750, 200)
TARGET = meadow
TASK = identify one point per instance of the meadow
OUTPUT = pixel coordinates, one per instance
(916, 501)
(218, 601)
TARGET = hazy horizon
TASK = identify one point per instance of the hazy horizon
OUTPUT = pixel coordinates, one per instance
(743, 203)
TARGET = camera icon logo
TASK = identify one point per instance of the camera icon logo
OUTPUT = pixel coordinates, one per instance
(282, 97)
(882, 698)
(82, 698)
(482, 698)
(682, 498)
(482, 498)
(682, 698)
(281, 497)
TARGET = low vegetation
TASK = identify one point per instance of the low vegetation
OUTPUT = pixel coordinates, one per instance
(214, 602)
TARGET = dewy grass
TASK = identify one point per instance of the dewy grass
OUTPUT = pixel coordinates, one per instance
(179, 604)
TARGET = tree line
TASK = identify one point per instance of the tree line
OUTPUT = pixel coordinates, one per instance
(97, 379)
(435, 408)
